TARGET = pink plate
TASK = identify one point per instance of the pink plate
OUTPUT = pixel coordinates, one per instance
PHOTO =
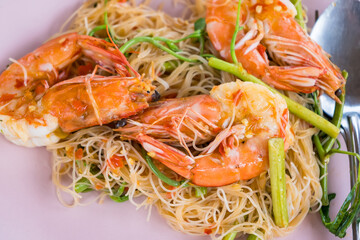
(29, 208)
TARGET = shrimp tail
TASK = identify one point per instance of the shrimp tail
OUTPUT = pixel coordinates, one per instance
(208, 170)
(167, 155)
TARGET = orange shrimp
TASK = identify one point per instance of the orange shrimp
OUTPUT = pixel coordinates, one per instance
(37, 98)
(111, 98)
(194, 119)
(270, 26)
(239, 117)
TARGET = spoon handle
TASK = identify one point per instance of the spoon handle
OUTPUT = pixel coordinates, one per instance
(352, 136)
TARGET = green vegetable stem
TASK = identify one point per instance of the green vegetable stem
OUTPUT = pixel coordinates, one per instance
(156, 41)
(199, 191)
(278, 181)
(253, 237)
(237, 29)
(348, 210)
(103, 27)
(171, 48)
(158, 173)
(299, 16)
(230, 236)
(324, 148)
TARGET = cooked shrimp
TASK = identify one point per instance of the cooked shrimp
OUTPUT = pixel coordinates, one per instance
(38, 103)
(194, 119)
(270, 26)
(247, 116)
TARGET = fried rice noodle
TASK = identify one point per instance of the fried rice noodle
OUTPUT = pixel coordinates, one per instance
(245, 206)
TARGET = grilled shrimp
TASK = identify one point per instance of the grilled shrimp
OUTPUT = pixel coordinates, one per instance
(269, 26)
(239, 117)
(38, 103)
(191, 120)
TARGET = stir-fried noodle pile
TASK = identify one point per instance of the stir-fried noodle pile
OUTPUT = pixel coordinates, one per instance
(83, 157)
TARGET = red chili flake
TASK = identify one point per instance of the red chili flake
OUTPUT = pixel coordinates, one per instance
(98, 186)
(208, 231)
(116, 161)
(79, 153)
(169, 195)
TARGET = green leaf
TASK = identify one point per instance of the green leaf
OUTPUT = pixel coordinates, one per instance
(118, 195)
(170, 66)
(200, 191)
(200, 24)
(119, 199)
(119, 191)
(83, 185)
(324, 212)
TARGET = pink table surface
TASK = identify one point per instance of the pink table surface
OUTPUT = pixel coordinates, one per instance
(29, 208)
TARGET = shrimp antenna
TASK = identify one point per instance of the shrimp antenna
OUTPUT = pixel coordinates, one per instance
(122, 56)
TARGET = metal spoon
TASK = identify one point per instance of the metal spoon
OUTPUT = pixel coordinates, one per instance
(338, 32)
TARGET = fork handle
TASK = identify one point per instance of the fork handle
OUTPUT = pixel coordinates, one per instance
(352, 137)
